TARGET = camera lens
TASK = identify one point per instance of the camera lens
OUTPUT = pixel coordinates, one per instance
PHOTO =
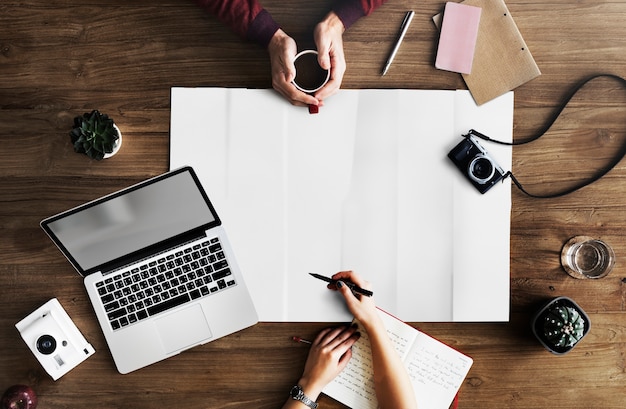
(46, 344)
(481, 169)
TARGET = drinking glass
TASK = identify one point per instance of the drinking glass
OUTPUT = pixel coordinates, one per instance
(587, 257)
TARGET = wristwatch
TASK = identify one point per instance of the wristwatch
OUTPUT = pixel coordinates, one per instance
(297, 394)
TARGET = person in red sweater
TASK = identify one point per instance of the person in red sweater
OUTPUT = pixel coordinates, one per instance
(251, 21)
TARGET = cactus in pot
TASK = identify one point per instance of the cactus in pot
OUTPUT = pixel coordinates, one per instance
(560, 325)
(563, 326)
(95, 135)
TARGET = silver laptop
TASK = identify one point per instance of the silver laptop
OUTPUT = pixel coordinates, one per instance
(158, 268)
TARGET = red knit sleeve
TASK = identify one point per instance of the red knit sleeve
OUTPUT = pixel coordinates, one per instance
(245, 17)
(237, 14)
(371, 5)
(349, 11)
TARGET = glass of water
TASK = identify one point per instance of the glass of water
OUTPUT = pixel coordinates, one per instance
(587, 257)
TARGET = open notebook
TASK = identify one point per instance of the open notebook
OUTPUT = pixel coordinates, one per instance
(436, 370)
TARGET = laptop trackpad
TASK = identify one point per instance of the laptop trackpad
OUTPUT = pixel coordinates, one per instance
(183, 329)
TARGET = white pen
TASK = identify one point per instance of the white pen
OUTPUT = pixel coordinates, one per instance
(403, 29)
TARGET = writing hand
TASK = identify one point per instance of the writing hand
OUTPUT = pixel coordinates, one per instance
(363, 308)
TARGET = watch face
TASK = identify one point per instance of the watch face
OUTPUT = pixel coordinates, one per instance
(295, 391)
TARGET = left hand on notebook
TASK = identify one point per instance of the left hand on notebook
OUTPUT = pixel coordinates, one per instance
(329, 354)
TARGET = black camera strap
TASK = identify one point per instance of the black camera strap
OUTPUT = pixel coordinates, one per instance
(599, 174)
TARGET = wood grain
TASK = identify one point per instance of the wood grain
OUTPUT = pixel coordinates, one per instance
(60, 58)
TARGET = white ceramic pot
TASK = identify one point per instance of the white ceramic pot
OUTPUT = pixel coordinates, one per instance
(117, 146)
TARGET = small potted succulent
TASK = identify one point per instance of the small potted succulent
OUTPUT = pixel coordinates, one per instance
(96, 135)
(560, 325)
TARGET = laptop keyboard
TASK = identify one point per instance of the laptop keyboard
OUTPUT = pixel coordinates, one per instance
(132, 295)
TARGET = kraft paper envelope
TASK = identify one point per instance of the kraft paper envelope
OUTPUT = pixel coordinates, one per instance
(502, 60)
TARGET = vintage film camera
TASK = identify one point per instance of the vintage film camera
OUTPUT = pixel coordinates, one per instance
(54, 339)
(474, 162)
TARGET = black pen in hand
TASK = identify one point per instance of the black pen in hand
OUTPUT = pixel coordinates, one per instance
(353, 287)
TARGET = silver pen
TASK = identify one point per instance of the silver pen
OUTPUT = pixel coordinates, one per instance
(403, 29)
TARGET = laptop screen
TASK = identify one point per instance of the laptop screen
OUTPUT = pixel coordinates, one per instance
(131, 220)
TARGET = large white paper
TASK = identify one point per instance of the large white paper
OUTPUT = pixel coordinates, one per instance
(365, 185)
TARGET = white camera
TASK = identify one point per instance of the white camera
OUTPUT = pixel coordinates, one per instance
(54, 339)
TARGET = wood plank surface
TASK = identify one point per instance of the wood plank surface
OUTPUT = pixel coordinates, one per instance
(61, 58)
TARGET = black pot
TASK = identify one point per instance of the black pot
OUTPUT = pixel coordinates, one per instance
(545, 316)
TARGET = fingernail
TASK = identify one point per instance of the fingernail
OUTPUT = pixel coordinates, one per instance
(339, 284)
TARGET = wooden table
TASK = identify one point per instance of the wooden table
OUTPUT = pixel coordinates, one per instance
(61, 58)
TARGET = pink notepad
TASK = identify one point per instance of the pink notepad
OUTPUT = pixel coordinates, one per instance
(459, 32)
